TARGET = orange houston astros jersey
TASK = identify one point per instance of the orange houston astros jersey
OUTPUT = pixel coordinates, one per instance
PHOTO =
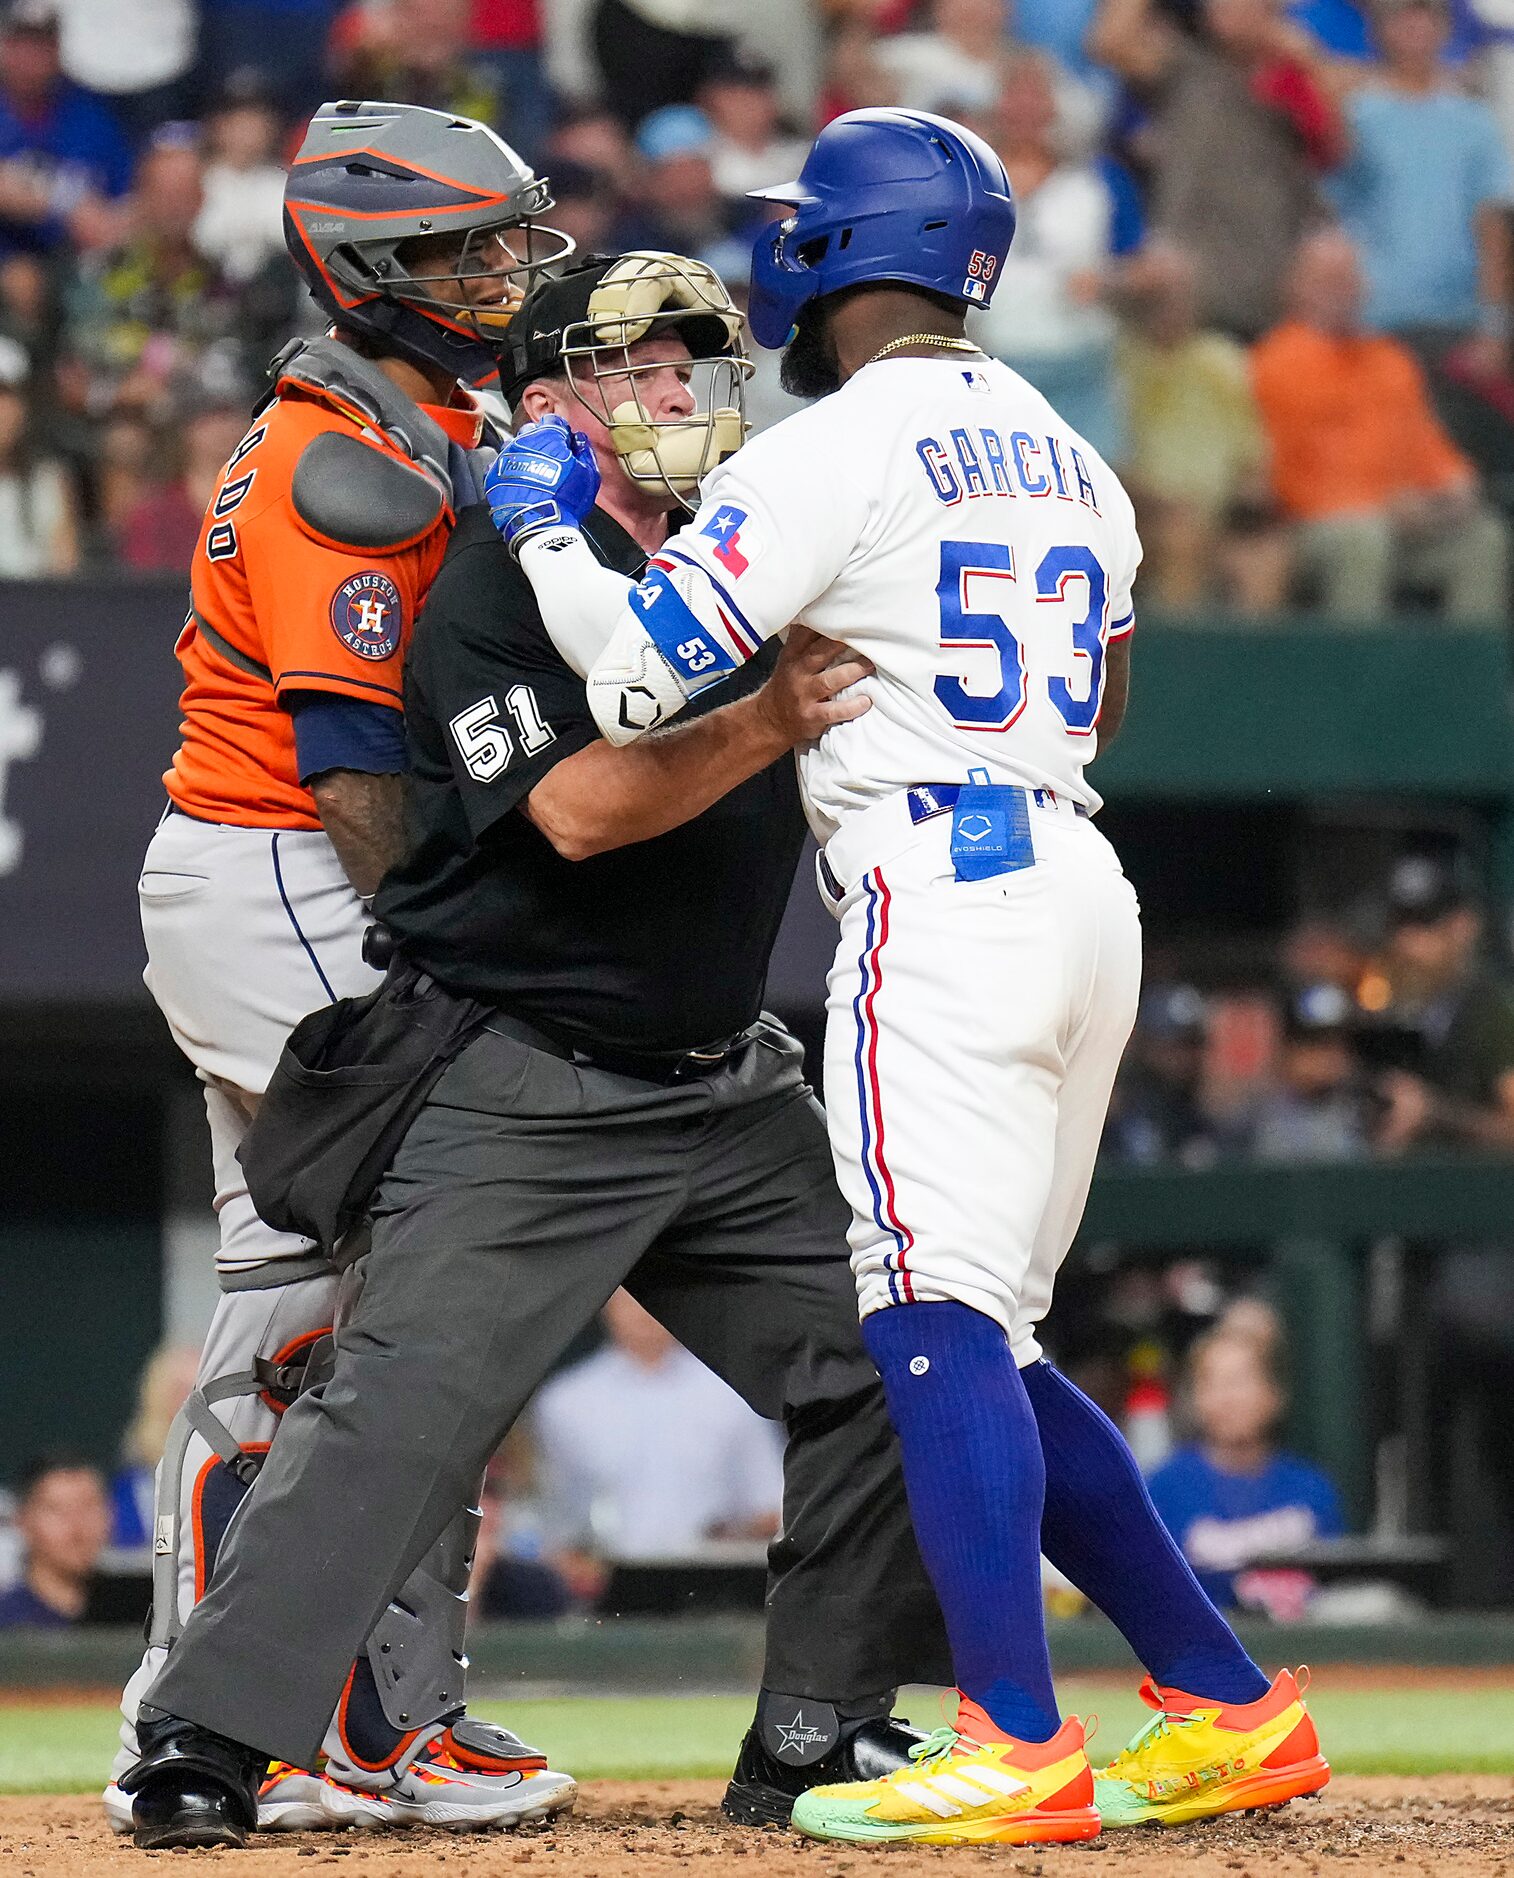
(313, 614)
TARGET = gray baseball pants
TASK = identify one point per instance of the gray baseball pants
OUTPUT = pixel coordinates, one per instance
(527, 1189)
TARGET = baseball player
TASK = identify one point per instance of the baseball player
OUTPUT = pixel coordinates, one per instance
(416, 231)
(934, 513)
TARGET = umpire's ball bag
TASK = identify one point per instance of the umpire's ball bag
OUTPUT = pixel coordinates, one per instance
(352, 1078)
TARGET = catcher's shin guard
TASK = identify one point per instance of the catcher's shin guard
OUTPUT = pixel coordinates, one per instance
(225, 1479)
(401, 1752)
(408, 1683)
(265, 1346)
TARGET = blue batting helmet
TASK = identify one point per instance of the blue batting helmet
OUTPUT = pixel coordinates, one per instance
(884, 195)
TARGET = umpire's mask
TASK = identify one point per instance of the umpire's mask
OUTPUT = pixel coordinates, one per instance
(584, 322)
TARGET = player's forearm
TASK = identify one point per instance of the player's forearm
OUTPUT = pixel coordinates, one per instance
(609, 797)
(580, 600)
(644, 648)
(364, 818)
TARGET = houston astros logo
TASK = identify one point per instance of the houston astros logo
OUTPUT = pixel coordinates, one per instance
(367, 615)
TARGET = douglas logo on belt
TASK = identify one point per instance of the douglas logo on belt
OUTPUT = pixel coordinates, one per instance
(367, 615)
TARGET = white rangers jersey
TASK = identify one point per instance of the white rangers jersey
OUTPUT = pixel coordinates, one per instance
(936, 515)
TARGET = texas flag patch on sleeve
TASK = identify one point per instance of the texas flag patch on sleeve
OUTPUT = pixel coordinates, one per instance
(731, 531)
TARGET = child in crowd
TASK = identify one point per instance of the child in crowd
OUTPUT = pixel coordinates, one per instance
(1232, 1496)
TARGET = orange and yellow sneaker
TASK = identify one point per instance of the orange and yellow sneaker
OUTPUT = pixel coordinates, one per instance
(1196, 1758)
(968, 1785)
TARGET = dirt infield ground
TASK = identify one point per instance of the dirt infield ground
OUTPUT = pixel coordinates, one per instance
(1444, 1824)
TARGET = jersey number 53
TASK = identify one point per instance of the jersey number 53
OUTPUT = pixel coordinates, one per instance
(1063, 574)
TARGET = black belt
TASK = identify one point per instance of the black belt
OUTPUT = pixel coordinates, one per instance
(656, 1066)
(659, 1066)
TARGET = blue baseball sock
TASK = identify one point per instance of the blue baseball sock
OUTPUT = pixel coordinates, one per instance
(972, 1469)
(1100, 1528)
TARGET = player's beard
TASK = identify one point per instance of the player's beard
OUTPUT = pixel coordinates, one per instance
(809, 368)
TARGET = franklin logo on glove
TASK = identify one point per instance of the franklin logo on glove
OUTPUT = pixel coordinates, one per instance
(545, 477)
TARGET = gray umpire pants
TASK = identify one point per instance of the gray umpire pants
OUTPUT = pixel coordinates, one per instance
(526, 1190)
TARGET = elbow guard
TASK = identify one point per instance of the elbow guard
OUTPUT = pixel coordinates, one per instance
(659, 656)
(632, 687)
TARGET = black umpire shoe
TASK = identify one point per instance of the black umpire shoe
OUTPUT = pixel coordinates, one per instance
(191, 1786)
(795, 1744)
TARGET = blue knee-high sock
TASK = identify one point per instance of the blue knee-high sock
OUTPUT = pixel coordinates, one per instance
(1100, 1528)
(972, 1470)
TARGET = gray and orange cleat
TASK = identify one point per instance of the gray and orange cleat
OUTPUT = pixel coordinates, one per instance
(470, 1777)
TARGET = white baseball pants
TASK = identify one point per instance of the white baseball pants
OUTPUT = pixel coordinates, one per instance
(973, 1033)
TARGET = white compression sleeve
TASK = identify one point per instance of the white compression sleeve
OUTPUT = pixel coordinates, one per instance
(580, 599)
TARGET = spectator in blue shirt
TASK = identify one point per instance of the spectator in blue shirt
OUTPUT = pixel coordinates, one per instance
(1425, 190)
(1344, 27)
(678, 204)
(63, 157)
(63, 1517)
(1061, 27)
(1232, 1496)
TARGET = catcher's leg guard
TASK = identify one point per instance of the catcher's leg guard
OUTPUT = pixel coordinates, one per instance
(408, 1683)
(262, 1348)
(400, 1750)
(405, 1693)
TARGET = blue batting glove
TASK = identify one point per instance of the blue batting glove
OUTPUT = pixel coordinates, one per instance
(545, 477)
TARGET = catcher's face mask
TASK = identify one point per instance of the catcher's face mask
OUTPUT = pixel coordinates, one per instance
(642, 297)
(474, 280)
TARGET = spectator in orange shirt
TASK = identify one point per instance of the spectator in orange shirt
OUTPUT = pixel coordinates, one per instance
(1376, 491)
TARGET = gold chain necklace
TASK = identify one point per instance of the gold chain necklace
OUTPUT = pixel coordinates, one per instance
(924, 339)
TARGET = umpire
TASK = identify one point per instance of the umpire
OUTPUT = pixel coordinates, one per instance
(625, 1115)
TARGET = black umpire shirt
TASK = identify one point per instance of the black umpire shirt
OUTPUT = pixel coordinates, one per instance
(661, 946)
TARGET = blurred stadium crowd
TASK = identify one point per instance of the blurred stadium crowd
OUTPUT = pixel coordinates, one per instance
(1389, 1029)
(639, 1482)
(1263, 259)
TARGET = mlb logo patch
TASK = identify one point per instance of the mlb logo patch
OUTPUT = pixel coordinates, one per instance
(976, 381)
(974, 289)
(367, 615)
(724, 528)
